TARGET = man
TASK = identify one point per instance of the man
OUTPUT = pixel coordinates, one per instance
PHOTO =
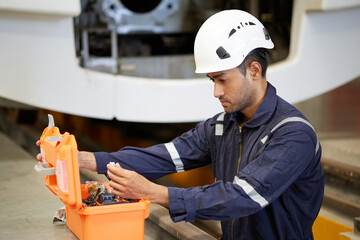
(265, 154)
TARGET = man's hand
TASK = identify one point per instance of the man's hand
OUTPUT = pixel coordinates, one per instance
(129, 184)
(86, 159)
(39, 156)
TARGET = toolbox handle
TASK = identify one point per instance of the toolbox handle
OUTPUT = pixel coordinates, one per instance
(51, 121)
(44, 170)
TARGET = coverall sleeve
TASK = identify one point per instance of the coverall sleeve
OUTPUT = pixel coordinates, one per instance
(162, 159)
(287, 154)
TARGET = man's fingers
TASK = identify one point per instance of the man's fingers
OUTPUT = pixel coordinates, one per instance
(116, 192)
(115, 177)
(117, 165)
(117, 186)
(117, 170)
(117, 189)
(38, 156)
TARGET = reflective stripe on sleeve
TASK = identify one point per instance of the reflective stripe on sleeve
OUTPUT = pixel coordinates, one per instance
(251, 192)
(317, 145)
(292, 119)
(179, 166)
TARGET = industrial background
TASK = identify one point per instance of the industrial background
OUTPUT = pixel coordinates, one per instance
(120, 73)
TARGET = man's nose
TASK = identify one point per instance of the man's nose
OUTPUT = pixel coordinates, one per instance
(218, 90)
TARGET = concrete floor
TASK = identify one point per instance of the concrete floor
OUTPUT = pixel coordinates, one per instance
(27, 206)
(344, 151)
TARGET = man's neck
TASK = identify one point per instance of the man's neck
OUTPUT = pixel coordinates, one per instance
(250, 111)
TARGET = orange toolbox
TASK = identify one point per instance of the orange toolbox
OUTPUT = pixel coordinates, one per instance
(61, 172)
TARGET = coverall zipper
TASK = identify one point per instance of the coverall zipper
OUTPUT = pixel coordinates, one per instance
(237, 170)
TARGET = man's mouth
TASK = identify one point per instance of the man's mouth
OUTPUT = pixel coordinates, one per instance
(223, 102)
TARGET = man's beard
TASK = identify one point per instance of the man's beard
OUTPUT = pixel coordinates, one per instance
(243, 100)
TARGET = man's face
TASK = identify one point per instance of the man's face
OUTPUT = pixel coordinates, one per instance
(234, 90)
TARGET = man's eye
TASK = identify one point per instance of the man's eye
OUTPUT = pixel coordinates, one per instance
(222, 80)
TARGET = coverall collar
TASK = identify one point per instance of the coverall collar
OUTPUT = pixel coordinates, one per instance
(264, 111)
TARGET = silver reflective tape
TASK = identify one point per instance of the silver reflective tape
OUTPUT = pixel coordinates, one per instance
(251, 192)
(179, 166)
(219, 129)
(292, 119)
(263, 140)
(317, 146)
(221, 117)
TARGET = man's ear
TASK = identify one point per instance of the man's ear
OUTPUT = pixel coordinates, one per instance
(255, 70)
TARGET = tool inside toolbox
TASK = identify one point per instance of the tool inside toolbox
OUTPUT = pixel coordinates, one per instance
(98, 194)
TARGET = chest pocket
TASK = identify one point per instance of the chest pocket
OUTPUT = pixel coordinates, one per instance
(291, 119)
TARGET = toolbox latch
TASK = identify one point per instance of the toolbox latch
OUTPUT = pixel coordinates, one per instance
(44, 170)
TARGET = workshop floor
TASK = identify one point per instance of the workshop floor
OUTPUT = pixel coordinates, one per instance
(27, 206)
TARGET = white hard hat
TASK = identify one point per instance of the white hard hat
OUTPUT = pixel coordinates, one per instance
(226, 38)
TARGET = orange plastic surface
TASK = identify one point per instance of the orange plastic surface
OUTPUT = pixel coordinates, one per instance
(118, 221)
(60, 151)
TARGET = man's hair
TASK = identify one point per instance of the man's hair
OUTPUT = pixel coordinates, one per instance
(256, 55)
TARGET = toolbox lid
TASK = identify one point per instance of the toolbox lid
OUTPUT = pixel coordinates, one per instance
(60, 152)
(67, 172)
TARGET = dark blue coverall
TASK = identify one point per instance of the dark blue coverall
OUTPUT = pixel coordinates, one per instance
(269, 183)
